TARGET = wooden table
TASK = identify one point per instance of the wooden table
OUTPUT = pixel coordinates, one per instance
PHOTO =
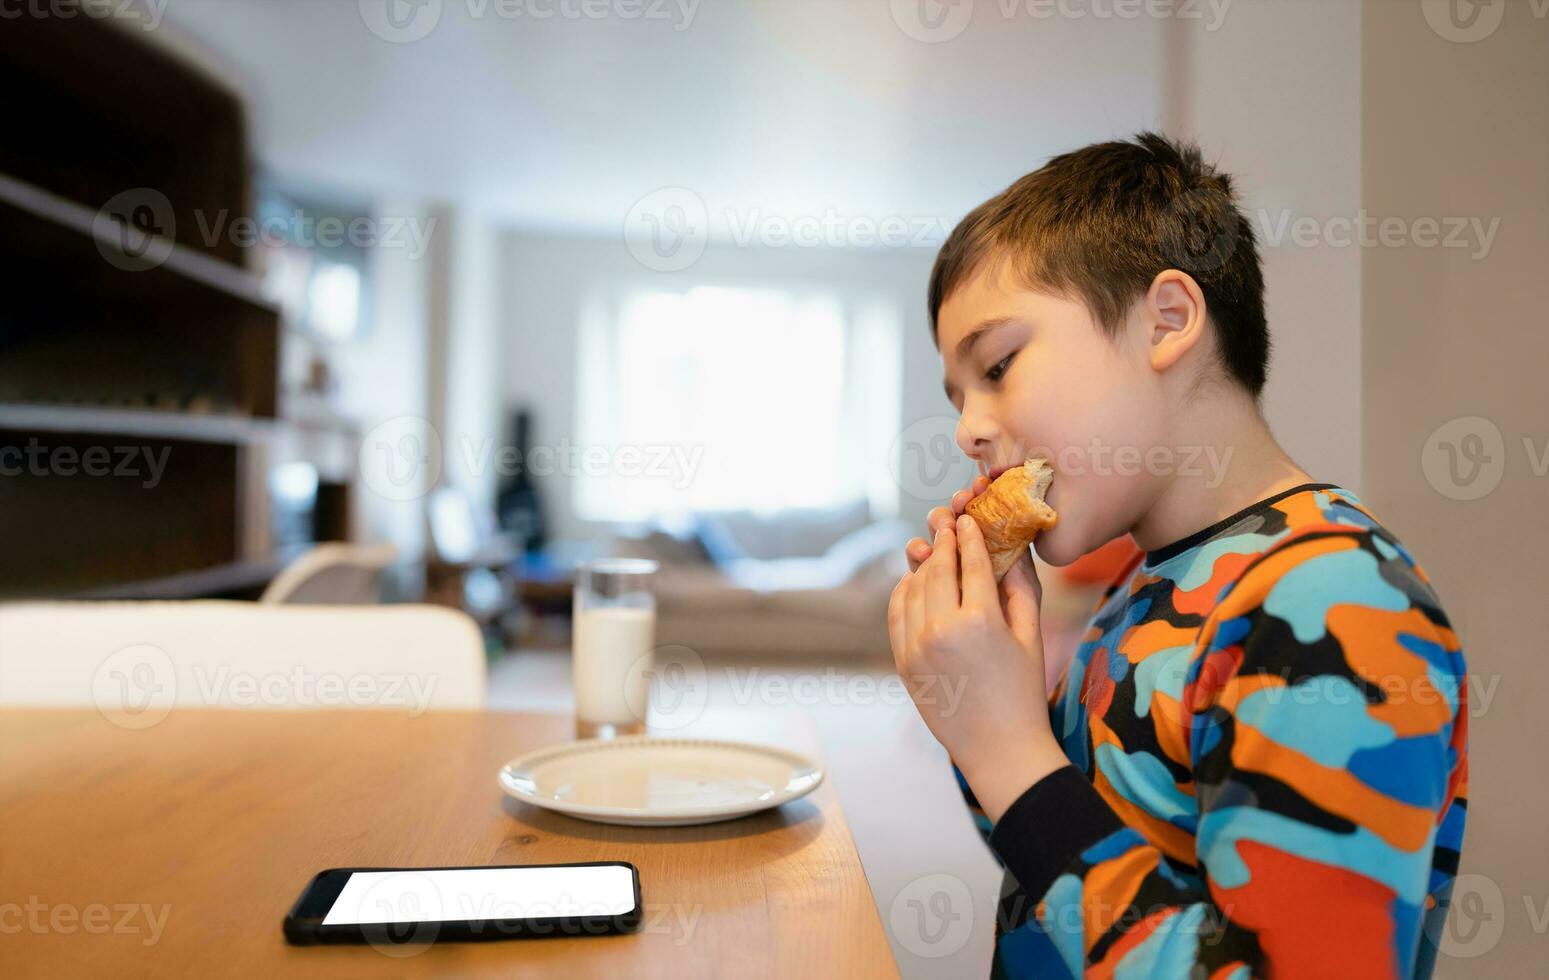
(176, 850)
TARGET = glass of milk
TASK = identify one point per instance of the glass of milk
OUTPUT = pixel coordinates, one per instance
(614, 634)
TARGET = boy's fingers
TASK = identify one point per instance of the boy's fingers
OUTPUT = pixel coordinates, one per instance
(941, 594)
(1023, 595)
(895, 621)
(938, 518)
(1030, 571)
(963, 498)
(914, 608)
(978, 574)
(916, 551)
(960, 501)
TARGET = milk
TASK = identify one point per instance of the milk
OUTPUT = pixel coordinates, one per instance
(611, 664)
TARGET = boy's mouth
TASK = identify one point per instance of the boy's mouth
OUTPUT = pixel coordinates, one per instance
(995, 471)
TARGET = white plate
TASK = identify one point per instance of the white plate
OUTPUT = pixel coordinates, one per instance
(642, 781)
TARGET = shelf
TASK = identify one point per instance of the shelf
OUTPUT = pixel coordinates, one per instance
(324, 422)
(132, 422)
(79, 329)
(185, 262)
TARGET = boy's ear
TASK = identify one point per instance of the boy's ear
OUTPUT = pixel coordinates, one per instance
(1173, 312)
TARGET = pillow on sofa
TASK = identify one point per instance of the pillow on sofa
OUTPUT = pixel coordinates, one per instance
(874, 550)
(868, 554)
(660, 544)
(794, 533)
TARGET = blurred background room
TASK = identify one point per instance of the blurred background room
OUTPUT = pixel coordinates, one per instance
(429, 301)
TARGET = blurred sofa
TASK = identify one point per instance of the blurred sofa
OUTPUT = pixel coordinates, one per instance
(794, 583)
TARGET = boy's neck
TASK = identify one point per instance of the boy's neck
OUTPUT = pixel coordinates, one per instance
(1239, 463)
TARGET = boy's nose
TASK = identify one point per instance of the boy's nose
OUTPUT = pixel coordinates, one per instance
(975, 439)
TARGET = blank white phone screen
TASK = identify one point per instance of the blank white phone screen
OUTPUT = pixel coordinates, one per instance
(483, 895)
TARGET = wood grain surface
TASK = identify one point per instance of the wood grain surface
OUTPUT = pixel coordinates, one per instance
(176, 850)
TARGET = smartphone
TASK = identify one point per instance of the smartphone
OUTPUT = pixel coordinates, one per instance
(398, 906)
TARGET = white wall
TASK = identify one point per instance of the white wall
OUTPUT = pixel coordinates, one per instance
(465, 345)
(382, 376)
(1457, 343)
(1273, 95)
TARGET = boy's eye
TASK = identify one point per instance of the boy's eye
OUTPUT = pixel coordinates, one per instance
(999, 368)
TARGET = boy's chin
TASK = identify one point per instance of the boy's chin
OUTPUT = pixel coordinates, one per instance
(1060, 545)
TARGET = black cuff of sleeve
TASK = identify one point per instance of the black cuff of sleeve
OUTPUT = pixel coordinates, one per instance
(1046, 829)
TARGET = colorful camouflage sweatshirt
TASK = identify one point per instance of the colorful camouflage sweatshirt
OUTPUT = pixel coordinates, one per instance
(1267, 729)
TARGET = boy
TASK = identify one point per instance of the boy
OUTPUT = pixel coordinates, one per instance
(1255, 762)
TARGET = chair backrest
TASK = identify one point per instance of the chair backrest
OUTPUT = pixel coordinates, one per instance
(332, 574)
(139, 660)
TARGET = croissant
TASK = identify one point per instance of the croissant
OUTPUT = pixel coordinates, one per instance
(1012, 512)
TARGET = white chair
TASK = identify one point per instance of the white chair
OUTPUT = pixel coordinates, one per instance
(134, 659)
(332, 574)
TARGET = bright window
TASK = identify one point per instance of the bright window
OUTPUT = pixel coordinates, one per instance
(717, 398)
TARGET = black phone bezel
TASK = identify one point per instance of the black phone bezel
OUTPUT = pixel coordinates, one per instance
(304, 923)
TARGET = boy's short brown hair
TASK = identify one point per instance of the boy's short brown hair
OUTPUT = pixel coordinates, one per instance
(1099, 223)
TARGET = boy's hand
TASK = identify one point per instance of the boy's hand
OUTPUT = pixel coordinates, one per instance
(918, 549)
(972, 658)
